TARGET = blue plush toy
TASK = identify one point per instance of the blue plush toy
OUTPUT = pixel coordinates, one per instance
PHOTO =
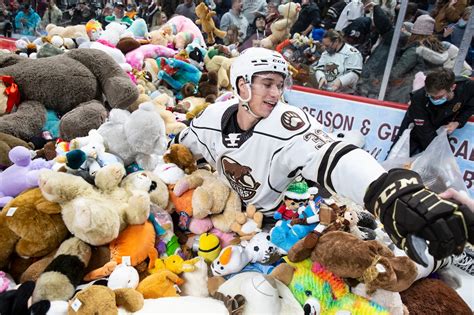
(176, 73)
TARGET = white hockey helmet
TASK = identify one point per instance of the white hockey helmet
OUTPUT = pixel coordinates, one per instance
(254, 60)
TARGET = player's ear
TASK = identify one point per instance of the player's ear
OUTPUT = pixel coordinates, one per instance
(243, 88)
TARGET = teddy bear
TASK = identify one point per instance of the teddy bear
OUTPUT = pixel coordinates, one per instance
(207, 23)
(212, 197)
(281, 28)
(72, 31)
(96, 215)
(221, 65)
(370, 262)
(76, 82)
(135, 137)
(20, 176)
(182, 157)
(30, 226)
(248, 224)
(99, 299)
(207, 87)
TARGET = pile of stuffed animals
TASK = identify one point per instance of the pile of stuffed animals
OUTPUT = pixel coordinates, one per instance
(100, 216)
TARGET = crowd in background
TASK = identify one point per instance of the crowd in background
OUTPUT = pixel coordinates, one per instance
(354, 36)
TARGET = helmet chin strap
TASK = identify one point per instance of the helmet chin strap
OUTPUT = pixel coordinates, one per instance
(245, 104)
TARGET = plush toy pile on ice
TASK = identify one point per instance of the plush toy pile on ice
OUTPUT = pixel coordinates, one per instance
(98, 213)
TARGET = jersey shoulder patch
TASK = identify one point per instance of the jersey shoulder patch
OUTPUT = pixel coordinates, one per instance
(284, 122)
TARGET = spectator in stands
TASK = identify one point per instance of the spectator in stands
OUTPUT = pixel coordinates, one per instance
(373, 69)
(6, 25)
(119, 15)
(251, 7)
(358, 35)
(454, 33)
(272, 15)
(168, 6)
(412, 61)
(53, 15)
(222, 7)
(187, 9)
(27, 20)
(82, 13)
(447, 12)
(41, 7)
(259, 33)
(235, 17)
(340, 65)
(308, 18)
(106, 11)
(332, 15)
(444, 101)
(232, 36)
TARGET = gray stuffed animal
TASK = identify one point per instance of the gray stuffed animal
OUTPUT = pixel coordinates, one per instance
(72, 84)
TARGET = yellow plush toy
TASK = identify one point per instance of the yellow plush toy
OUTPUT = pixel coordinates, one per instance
(205, 19)
(209, 247)
(160, 284)
(281, 28)
(175, 264)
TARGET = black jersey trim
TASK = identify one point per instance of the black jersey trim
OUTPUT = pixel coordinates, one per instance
(337, 157)
(324, 162)
(197, 137)
(269, 173)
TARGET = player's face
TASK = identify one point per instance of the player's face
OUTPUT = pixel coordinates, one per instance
(266, 92)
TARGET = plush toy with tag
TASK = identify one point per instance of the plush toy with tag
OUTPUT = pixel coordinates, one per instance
(30, 226)
(101, 300)
(135, 244)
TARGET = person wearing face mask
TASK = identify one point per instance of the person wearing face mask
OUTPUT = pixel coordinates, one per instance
(445, 100)
(455, 32)
(340, 66)
(259, 145)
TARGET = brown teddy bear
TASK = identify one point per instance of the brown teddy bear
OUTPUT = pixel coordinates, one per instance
(281, 28)
(433, 296)
(99, 299)
(370, 262)
(71, 84)
(31, 226)
(207, 87)
(182, 157)
(205, 19)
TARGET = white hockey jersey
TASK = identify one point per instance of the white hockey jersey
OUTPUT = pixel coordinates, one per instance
(260, 163)
(345, 65)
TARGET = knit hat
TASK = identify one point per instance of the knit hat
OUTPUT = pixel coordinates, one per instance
(424, 25)
(297, 191)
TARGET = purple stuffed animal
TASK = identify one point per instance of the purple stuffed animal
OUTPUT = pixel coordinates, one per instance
(22, 175)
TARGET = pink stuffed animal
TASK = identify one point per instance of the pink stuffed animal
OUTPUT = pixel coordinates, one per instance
(181, 23)
(136, 57)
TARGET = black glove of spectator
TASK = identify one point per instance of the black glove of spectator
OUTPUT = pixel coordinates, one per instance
(406, 208)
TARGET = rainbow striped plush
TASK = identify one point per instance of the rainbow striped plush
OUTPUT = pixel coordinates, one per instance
(331, 291)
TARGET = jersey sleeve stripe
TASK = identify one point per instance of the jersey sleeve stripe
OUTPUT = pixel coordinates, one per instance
(324, 163)
(343, 151)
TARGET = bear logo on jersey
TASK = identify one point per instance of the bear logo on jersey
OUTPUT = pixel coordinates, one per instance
(291, 121)
(240, 178)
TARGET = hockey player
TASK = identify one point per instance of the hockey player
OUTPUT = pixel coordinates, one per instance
(260, 145)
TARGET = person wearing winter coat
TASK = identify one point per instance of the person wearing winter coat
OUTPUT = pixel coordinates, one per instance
(412, 62)
(447, 12)
(52, 15)
(373, 69)
(308, 18)
(27, 20)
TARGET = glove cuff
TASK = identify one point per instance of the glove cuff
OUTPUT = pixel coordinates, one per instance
(390, 186)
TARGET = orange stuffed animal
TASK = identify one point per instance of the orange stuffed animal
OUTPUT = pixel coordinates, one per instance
(160, 284)
(136, 242)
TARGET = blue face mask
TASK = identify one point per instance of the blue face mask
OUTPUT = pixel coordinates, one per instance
(438, 102)
(462, 23)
